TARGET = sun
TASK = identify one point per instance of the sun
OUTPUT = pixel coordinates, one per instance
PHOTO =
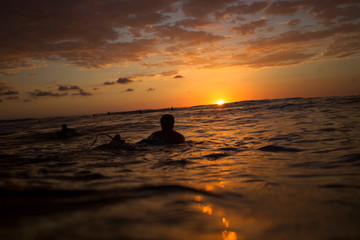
(220, 102)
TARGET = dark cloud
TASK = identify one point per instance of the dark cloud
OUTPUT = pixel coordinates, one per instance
(82, 93)
(178, 76)
(129, 90)
(13, 98)
(82, 32)
(39, 93)
(150, 89)
(9, 92)
(68, 87)
(124, 81)
(6, 90)
(4, 87)
(170, 34)
(249, 28)
(169, 73)
(109, 83)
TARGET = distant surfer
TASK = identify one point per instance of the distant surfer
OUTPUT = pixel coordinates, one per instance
(115, 144)
(66, 132)
(167, 135)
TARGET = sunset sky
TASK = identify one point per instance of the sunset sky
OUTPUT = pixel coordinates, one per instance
(71, 57)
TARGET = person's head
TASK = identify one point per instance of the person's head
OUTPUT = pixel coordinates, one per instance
(64, 127)
(167, 122)
(117, 138)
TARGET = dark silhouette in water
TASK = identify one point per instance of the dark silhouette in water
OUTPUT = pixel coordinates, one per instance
(115, 144)
(167, 134)
(274, 148)
(66, 132)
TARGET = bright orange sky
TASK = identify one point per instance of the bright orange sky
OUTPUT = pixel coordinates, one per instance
(91, 56)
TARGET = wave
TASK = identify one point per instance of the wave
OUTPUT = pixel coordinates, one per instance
(275, 148)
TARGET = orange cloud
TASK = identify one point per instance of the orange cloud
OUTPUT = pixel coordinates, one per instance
(295, 37)
(282, 58)
(344, 47)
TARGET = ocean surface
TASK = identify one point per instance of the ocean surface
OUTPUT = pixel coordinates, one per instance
(250, 170)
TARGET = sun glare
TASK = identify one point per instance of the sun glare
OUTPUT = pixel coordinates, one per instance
(220, 102)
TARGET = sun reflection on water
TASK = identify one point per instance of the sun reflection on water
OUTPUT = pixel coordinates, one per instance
(225, 222)
(207, 209)
(228, 235)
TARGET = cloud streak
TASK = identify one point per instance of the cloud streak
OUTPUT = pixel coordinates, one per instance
(38, 93)
(124, 81)
(119, 81)
(9, 92)
(69, 88)
(82, 93)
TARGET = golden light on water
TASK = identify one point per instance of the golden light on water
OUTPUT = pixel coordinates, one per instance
(207, 209)
(225, 222)
(228, 235)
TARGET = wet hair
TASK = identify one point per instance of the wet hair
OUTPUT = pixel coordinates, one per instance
(167, 122)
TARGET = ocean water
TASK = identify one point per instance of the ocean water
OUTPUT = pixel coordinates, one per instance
(251, 170)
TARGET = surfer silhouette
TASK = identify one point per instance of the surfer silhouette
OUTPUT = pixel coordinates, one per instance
(167, 134)
(66, 132)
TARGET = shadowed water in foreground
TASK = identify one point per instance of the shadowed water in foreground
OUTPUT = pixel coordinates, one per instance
(270, 169)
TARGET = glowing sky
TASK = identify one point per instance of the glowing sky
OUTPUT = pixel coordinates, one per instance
(90, 56)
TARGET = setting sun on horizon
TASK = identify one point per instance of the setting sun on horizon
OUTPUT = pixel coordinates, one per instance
(180, 119)
(113, 56)
(220, 102)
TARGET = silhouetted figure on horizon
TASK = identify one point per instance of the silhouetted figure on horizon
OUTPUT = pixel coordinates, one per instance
(66, 132)
(167, 134)
(116, 142)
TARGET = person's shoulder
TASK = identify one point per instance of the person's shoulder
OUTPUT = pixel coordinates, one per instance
(178, 137)
(156, 135)
(178, 134)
